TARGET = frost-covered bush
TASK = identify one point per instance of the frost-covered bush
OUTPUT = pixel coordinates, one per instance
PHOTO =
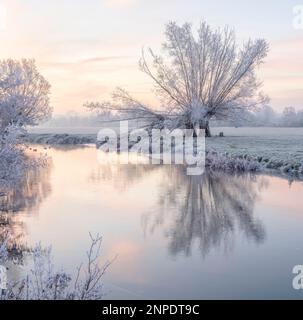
(216, 161)
(12, 160)
(3, 253)
(44, 282)
(12, 239)
(15, 164)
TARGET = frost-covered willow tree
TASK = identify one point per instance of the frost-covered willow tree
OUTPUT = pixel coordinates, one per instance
(198, 77)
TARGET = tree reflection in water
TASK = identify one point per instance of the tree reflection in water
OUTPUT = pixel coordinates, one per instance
(209, 209)
(122, 176)
(29, 192)
(24, 197)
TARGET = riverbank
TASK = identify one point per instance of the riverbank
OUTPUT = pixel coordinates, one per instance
(272, 150)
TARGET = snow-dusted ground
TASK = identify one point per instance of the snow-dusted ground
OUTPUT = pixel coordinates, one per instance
(283, 153)
(60, 138)
(275, 149)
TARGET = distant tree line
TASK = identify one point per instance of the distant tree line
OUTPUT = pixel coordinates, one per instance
(266, 116)
(73, 119)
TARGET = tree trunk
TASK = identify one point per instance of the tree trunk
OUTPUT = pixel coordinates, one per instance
(204, 124)
(207, 130)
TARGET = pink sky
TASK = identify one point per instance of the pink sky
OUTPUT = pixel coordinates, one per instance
(87, 48)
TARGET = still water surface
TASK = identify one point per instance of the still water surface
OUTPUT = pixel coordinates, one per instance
(175, 236)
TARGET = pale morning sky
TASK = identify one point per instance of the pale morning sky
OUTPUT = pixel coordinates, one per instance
(87, 48)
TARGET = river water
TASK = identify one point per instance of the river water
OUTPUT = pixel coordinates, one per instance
(172, 235)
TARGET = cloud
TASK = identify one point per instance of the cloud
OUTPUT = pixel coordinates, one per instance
(102, 59)
(81, 62)
(119, 3)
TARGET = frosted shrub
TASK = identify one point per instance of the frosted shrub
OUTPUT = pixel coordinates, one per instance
(227, 163)
(43, 282)
(3, 253)
(12, 166)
